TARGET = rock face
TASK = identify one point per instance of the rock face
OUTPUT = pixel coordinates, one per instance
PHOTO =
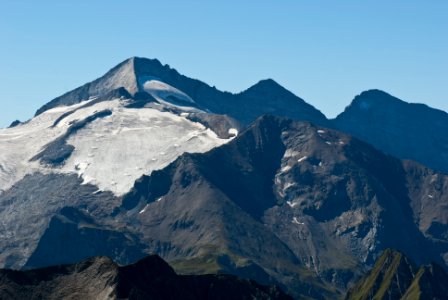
(149, 278)
(265, 97)
(408, 131)
(281, 198)
(394, 276)
(27, 208)
(145, 160)
(333, 200)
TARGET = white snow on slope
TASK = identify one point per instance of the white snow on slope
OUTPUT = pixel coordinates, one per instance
(19, 144)
(162, 91)
(111, 152)
(296, 221)
(302, 159)
(292, 204)
(233, 131)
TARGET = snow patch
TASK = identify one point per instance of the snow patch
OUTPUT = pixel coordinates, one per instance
(168, 95)
(233, 131)
(296, 221)
(292, 204)
(302, 159)
(290, 153)
(162, 90)
(127, 142)
(285, 169)
(144, 209)
(287, 185)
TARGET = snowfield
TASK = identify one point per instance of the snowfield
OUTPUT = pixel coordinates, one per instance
(110, 152)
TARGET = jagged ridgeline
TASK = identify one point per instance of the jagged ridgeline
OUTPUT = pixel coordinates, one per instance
(149, 278)
(394, 276)
(258, 184)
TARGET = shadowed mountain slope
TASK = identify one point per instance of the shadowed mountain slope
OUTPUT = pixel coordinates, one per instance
(149, 278)
(405, 130)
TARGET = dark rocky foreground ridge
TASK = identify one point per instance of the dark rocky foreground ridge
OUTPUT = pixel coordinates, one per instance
(149, 278)
(395, 276)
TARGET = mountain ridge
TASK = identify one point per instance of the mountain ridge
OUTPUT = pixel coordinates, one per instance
(258, 184)
(133, 72)
(394, 276)
(148, 278)
(406, 130)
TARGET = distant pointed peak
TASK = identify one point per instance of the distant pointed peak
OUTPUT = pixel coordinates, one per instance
(374, 98)
(266, 83)
(15, 123)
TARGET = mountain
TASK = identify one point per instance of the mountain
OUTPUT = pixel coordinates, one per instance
(405, 130)
(65, 173)
(344, 200)
(149, 278)
(107, 140)
(145, 160)
(284, 202)
(394, 276)
(141, 75)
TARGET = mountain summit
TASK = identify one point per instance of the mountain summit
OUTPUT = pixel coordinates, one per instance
(142, 75)
(406, 130)
(146, 160)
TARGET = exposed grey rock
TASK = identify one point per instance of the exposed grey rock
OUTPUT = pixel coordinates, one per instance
(220, 124)
(121, 76)
(265, 97)
(27, 208)
(335, 201)
(120, 93)
(282, 197)
(86, 238)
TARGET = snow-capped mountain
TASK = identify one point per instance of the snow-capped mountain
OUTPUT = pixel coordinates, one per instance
(145, 160)
(107, 143)
(141, 75)
(132, 121)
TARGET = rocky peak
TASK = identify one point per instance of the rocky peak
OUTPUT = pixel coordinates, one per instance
(121, 76)
(406, 130)
(266, 85)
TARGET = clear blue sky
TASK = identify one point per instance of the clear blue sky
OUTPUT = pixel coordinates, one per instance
(324, 51)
